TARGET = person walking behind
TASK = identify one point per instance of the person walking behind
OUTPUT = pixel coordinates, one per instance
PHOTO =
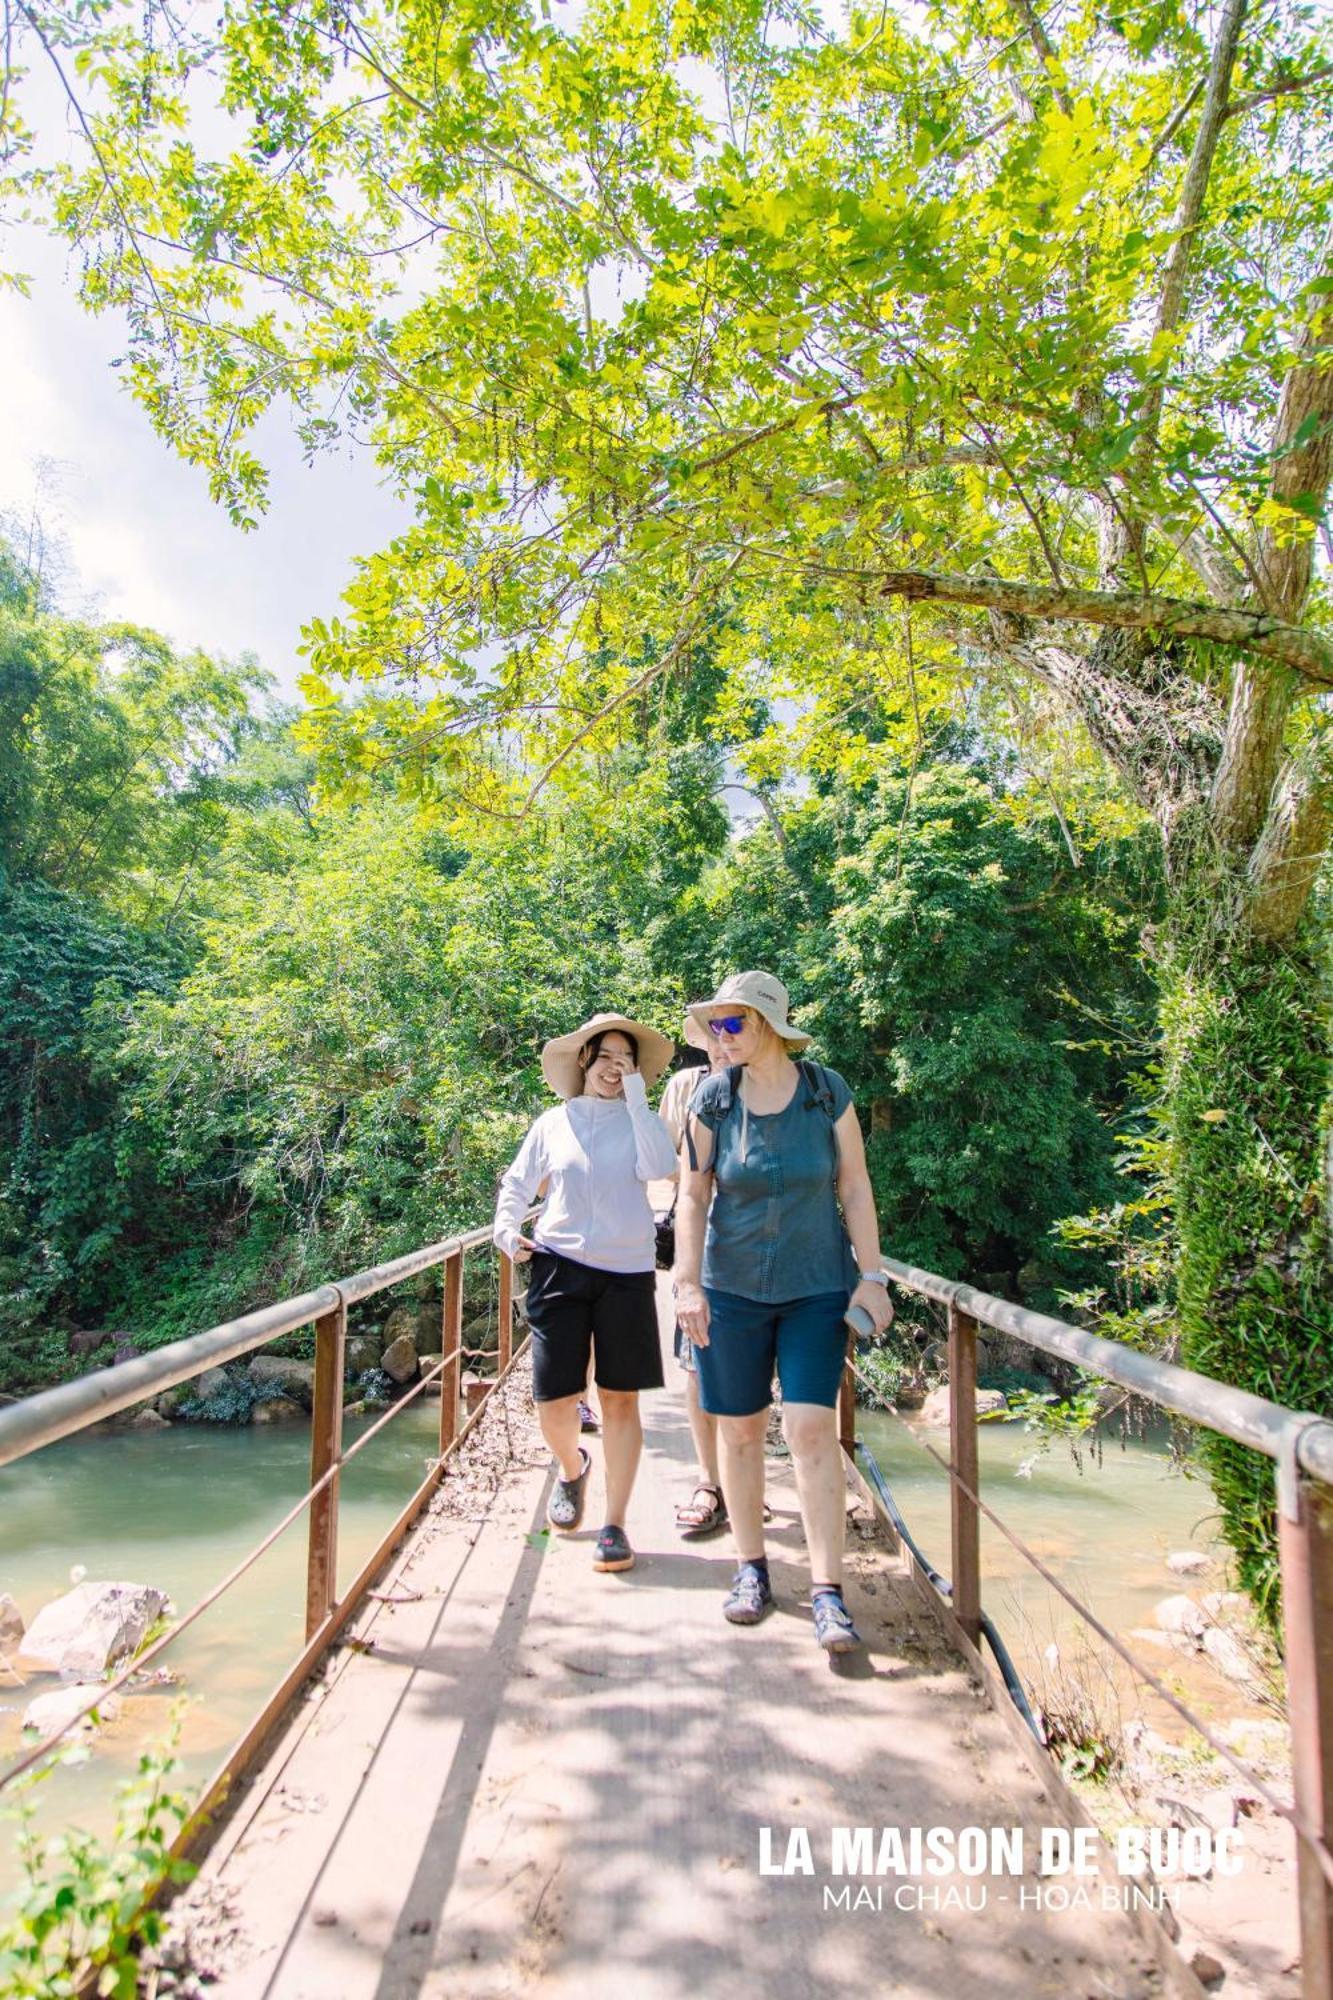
(773, 1150)
(705, 1512)
(593, 1284)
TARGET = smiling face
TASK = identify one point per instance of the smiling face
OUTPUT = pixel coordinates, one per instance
(605, 1062)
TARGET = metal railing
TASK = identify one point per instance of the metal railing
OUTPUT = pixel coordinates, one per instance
(43, 1419)
(1301, 1445)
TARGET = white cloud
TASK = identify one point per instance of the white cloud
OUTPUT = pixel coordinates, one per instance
(144, 540)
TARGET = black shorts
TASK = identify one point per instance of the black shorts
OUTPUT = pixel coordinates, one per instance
(574, 1310)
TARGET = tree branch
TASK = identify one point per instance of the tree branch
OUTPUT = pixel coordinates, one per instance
(1305, 652)
(1240, 105)
(1041, 42)
(1184, 227)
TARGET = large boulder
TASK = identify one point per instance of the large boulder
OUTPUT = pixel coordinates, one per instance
(404, 1322)
(147, 1420)
(426, 1363)
(1182, 1616)
(935, 1409)
(399, 1359)
(81, 1344)
(49, 1712)
(363, 1351)
(11, 1625)
(481, 1335)
(277, 1410)
(295, 1378)
(211, 1383)
(91, 1627)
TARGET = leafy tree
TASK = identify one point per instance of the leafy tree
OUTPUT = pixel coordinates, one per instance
(979, 993)
(939, 355)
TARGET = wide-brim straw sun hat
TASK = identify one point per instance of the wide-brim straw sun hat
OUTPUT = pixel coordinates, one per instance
(695, 1032)
(760, 990)
(560, 1057)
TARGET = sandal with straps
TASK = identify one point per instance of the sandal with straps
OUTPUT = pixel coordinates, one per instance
(704, 1513)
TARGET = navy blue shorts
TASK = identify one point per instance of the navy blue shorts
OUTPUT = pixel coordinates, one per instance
(804, 1339)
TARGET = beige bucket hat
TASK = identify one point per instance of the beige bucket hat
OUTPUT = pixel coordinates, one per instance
(560, 1057)
(760, 990)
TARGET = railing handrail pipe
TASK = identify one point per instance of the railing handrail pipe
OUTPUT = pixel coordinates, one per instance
(57, 1413)
(1236, 1413)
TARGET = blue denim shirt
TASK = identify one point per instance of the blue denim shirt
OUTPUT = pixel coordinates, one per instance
(775, 1231)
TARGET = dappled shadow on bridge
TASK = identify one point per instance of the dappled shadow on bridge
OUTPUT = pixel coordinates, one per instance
(560, 1779)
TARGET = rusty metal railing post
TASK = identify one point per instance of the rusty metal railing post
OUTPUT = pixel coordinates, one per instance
(451, 1334)
(963, 1457)
(1305, 1542)
(326, 1432)
(505, 1308)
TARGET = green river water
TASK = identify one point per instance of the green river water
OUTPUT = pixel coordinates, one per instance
(178, 1508)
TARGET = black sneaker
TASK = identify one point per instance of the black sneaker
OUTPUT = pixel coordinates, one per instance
(750, 1595)
(613, 1550)
(564, 1509)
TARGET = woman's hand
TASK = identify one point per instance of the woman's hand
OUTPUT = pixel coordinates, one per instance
(523, 1249)
(876, 1300)
(692, 1312)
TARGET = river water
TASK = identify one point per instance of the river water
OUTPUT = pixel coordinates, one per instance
(178, 1508)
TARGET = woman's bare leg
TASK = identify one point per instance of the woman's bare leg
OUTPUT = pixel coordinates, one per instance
(741, 1441)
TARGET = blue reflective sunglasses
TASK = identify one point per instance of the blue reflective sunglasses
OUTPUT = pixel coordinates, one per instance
(727, 1024)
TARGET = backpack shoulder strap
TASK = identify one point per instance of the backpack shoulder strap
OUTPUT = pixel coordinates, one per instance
(818, 1086)
(726, 1097)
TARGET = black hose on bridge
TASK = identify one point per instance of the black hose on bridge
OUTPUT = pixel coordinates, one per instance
(1009, 1672)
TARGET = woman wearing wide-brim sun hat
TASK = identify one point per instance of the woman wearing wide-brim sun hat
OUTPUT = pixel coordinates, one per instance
(593, 1285)
(775, 1231)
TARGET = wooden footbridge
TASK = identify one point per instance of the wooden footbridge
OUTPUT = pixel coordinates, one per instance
(493, 1772)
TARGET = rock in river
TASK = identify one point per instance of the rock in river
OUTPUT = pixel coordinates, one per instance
(277, 1410)
(295, 1378)
(11, 1625)
(935, 1409)
(50, 1712)
(91, 1627)
(399, 1360)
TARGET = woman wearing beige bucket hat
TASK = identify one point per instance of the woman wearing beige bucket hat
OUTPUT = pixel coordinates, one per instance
(592, 1287)
(775, 1202)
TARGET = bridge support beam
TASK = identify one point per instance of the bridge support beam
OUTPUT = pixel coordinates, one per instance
(326, 1432)
(1305, 1540)
(965, 1522)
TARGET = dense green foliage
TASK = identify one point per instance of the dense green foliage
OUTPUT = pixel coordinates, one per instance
(978, 991)
(317, 1043)
(1248, 1030)
(964, 362)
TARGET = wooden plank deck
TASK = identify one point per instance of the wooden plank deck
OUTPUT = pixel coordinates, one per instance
(524, 1778)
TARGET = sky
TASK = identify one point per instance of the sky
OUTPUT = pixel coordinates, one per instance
(141, 538)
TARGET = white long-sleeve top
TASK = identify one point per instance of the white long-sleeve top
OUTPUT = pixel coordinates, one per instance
(597, 1154)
